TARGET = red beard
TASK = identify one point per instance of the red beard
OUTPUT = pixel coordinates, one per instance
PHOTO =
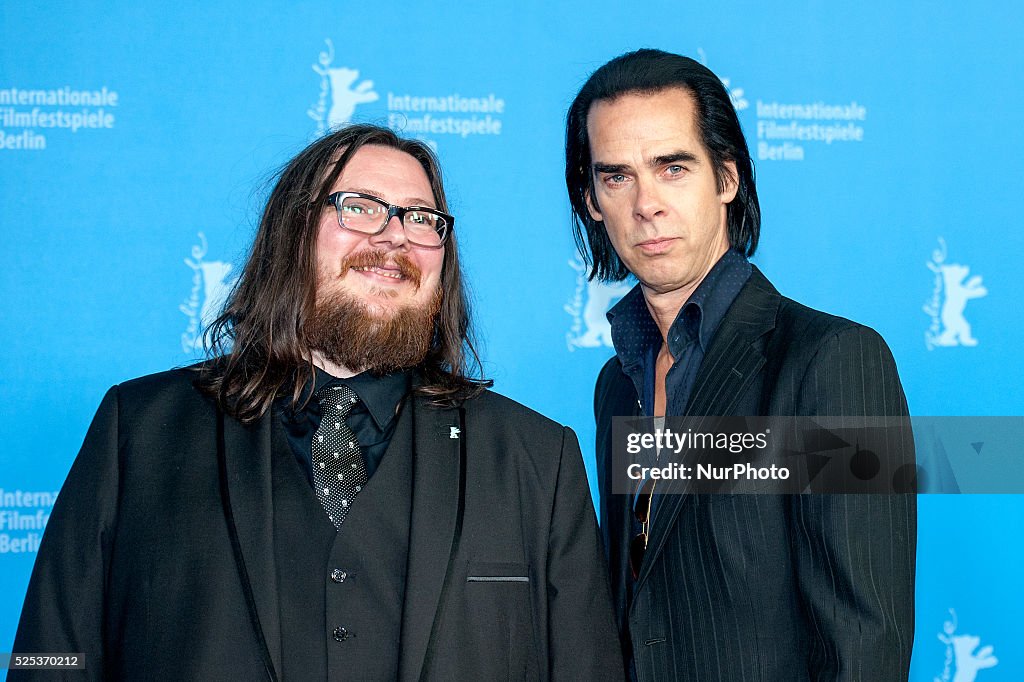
(347, 332)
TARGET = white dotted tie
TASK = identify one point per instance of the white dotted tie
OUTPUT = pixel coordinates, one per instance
(339, 471)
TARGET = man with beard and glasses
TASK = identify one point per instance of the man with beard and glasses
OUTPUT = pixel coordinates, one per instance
(331, 495)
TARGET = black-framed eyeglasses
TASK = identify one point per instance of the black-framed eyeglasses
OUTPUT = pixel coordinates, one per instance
(367, 214)
(642, 512)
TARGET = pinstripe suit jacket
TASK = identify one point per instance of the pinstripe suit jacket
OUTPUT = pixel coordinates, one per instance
(756, 587)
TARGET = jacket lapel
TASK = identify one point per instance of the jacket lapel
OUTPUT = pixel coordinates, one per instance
(735, 357)
(245, 453)
(435, 525)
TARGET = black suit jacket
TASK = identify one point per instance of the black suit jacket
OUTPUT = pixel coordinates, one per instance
(157, 562)
(759, 587)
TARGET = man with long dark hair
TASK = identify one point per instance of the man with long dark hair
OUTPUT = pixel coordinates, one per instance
(331, 495)
(725, 587)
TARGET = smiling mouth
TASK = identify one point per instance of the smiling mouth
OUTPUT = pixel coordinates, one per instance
(383, 268)
(393, 274)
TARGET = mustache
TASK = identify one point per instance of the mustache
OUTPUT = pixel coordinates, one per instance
(377, 258)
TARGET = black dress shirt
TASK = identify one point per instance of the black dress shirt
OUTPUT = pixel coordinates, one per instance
(372, 419)
(637, 339)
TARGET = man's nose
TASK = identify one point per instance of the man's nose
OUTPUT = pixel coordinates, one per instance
(392, 236)
(648, 202)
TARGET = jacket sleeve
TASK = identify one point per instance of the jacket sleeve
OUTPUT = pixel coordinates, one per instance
(64, 605)
(855, 554)
(583, 638)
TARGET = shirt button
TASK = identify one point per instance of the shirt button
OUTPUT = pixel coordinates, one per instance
(341, 634)
(338, 575)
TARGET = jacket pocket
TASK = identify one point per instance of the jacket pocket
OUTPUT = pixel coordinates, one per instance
(503, 637)
(497, 572)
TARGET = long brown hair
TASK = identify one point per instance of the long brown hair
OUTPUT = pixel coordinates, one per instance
(255, 347)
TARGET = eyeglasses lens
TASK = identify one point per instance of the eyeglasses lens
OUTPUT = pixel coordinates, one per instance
(422, 227)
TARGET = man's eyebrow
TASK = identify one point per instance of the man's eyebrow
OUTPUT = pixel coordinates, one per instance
(662, 160)
(610, 167)
(409, 201)
(363, 190)
(674, 157)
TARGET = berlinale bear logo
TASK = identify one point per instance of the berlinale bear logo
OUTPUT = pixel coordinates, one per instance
(210, 288)
(339, 84)
(963, 657)
(950, 295)
(589, 307)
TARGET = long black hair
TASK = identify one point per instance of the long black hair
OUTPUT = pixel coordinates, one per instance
(647, 72)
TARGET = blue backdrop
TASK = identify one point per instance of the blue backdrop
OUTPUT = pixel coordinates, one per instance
(135, 145)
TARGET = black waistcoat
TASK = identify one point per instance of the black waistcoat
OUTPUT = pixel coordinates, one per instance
(341, 592)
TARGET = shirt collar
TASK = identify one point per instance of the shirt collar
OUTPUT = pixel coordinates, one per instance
(713, 297)
(634, 330)
(380, 394)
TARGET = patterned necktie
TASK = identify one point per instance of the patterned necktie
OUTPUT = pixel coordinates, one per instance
(339, 472)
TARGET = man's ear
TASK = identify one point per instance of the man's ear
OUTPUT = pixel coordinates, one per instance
(592, 207)
(731, 183)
